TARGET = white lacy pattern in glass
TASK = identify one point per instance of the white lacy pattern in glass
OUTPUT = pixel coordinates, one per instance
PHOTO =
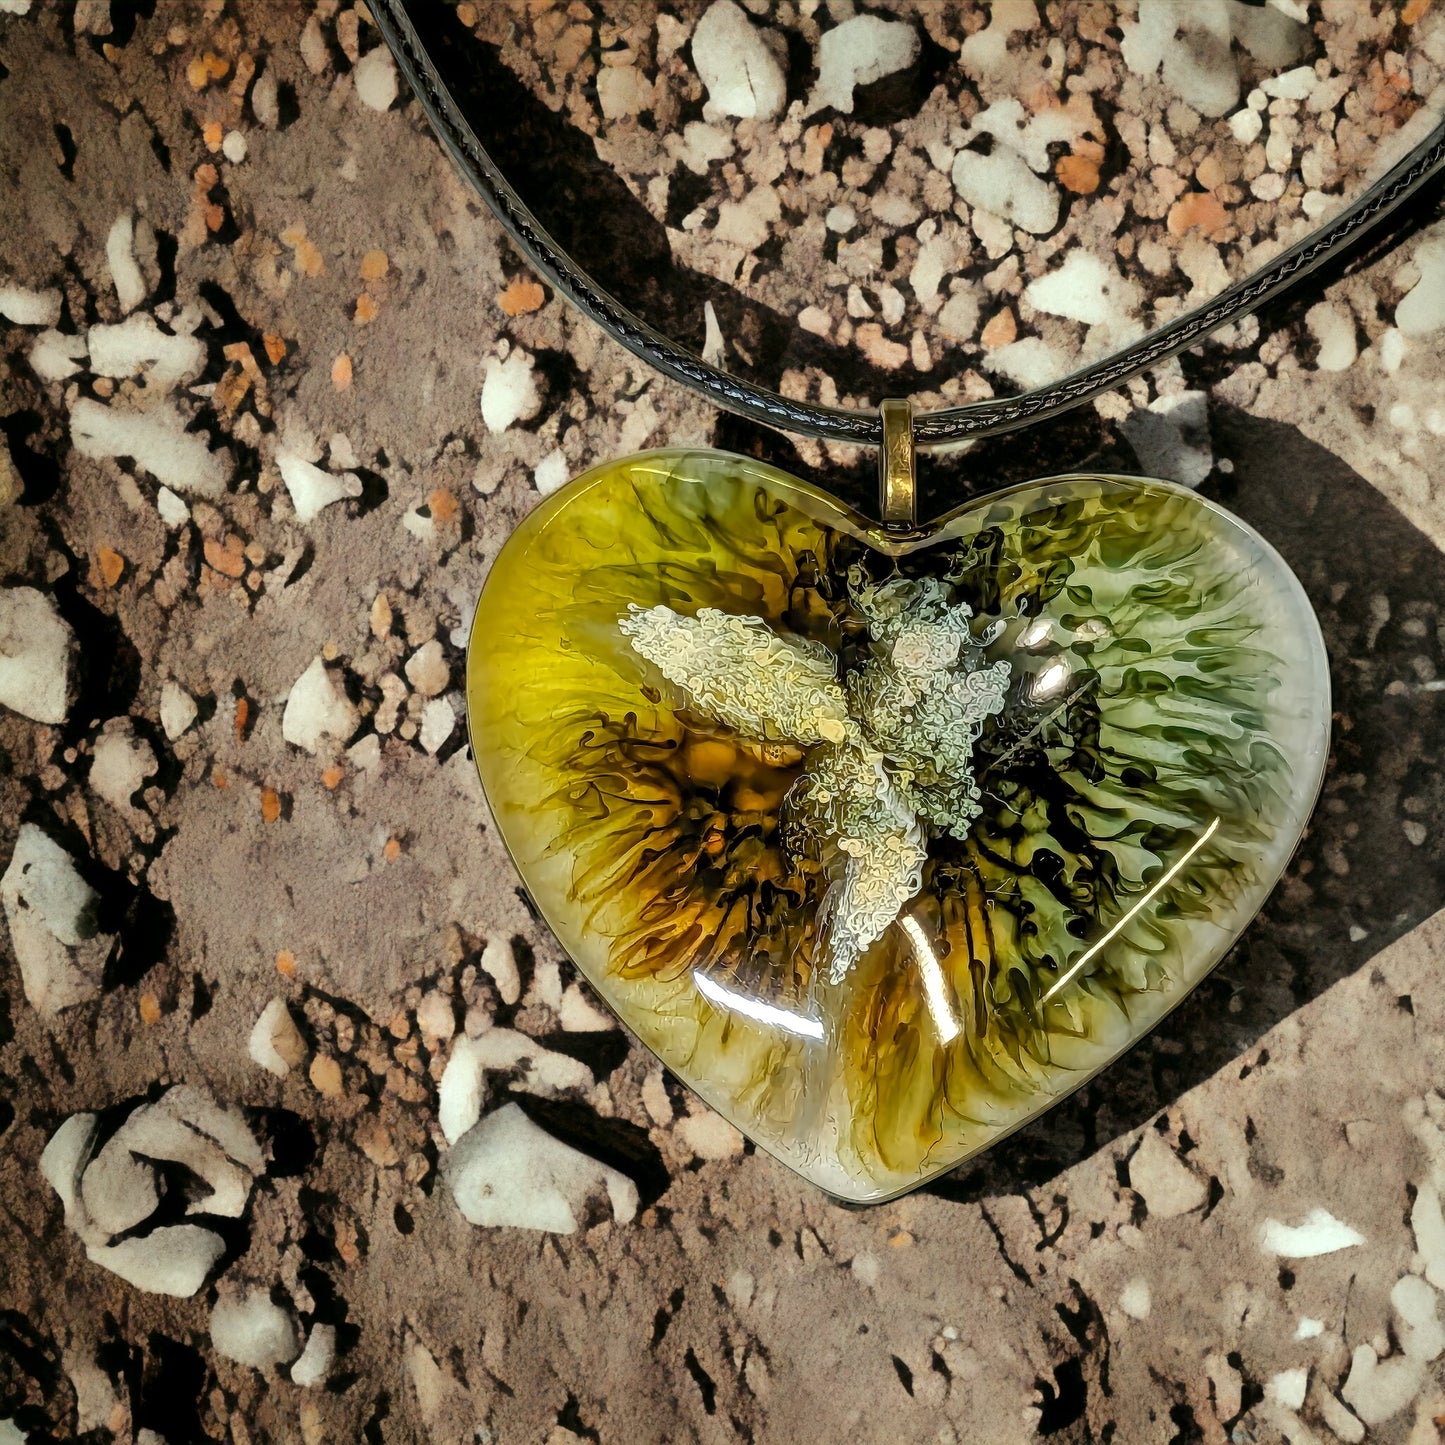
(890, 748)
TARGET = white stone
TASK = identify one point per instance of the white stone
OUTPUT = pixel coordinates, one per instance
(62, 1160)
(198, 1113)
(36, 650)
(173, 511)
(542, 1070)
(176, 1128)
(130, 286)
(1171, 437)
(858, 52)
(509, 1172)
(1084, 289)
(1333, 327)
(375, 77)
(313, 45)
(438, 720)
(317, 708)
(461, 1091)
(747, 222)
(1168, 1187)
(1268, 187)
(118, 1190)
(264, 99)
(311, 488)
(714, 348)
(276, 1043)
(1030, 362)
(700, 145)
(178, 710)
(50, 911)
(1391, 351)
(1422, 309)
(95, 1396)
(1321, 1233)
(366, 755)
(30, 308)
(936, 258)
(155, 439)
(865, 1268)
(1274, 34)
(1028, 135)
(1002, 184)
(1420, 1332)
(120, 764)
(1294, 84)
(739, 69)
(314, 1363)
(1309, 1329)
(499, 963)
(958, 319)
(426, 669)
(552, 472)
(709, 1136)
(253, 1331)
(1288, 1387)
(1339, 1419)
(10, 1432)
(137, 346)
(173, 1260)
(55, 356)
(1246, 125)
(1135, 1299)
(1377, 1389)
(434, 1016)
(1191, 44)
(1427, 1220)
(623, 90)
(815, 320)
(509, 391)
(234, 147)
(578, 1014)
(985, 54)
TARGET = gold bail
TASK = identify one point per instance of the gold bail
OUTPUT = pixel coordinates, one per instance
(897, 496)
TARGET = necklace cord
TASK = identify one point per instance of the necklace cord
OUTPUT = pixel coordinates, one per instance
(865, 428)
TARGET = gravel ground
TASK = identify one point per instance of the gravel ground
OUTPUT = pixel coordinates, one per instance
(273, 391)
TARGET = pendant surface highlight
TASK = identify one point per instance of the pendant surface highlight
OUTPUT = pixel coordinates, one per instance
(884, 844)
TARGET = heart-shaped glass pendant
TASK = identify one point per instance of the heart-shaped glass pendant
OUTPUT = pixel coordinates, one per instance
(883, 845)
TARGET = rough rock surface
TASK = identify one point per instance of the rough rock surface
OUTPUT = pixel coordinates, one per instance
(1234, 1234)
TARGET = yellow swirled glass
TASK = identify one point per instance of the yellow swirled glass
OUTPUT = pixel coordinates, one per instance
(884, 845)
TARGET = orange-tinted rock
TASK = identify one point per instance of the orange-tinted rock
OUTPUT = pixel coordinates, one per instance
(1199, 210)
(111, 565)
(1078, 173)
(522, 296)
(1001, 329)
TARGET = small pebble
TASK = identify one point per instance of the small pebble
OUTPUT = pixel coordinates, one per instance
(325, 1075)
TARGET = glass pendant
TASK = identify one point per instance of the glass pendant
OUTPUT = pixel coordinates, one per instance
(885, 842)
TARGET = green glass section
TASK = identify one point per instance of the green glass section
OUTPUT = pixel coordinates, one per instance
(1090, 837)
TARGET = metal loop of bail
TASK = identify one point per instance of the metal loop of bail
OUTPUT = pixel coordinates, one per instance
(897, 471)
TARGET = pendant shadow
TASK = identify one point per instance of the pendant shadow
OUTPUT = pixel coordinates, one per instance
(1357, 881)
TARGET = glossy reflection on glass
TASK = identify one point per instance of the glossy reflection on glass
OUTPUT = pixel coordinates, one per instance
(884, 846)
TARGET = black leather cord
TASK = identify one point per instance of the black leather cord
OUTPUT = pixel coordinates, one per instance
(930, 429)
